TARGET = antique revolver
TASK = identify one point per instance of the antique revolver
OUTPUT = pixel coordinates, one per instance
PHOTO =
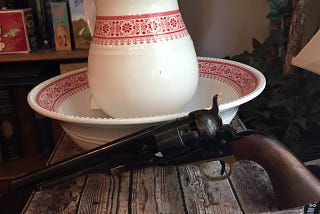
(198, 137)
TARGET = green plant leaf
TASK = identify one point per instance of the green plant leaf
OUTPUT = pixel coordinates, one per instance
(315, 108)
(256, 44)
(315, 119)
(312, 85)
(277, 100)
(277, 8)
(290, 104)
(265, 114)
(300, 121)
(277, 37)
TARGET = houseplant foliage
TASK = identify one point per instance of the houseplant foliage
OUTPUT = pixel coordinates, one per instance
(289, 107)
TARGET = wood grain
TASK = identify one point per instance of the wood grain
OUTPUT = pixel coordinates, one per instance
(64, 194)
(156, 190)
(253, 187)
(203, 196)
(58, 197)
(105, 194)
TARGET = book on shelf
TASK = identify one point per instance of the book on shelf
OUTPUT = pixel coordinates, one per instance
(1, 156)
(40, 21)
(3, 4)
(17, 31)
(36, 131)
(81, 34)
(48, 15)
(44, 134)
(10, 138)
(12, 4)
(61, 26)
(37, 135)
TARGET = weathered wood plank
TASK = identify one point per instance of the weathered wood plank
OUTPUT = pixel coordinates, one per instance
(253, 188)
(123, 198)
(61, 197)
(293, 211)
(105, 194)
(203, 196)
(156, 190)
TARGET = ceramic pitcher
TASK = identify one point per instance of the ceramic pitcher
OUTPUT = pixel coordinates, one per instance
(141, 60)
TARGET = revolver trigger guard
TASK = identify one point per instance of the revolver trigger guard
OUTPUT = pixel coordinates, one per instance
(215, 178)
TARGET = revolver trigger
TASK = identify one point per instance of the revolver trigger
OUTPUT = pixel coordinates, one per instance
(225, 172)
(215, 178)
(223, 167)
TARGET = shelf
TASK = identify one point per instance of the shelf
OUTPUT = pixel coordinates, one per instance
(43, 55)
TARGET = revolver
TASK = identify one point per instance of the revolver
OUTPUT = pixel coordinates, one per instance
(198, 137)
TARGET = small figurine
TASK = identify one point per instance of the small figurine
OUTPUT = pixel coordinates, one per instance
(62, 35)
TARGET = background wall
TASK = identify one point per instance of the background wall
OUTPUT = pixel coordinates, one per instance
(222, 28)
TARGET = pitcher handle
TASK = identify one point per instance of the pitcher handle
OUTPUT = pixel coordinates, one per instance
(89, 9)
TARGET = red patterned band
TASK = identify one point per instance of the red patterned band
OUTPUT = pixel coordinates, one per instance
(237, 76)
(139, 29)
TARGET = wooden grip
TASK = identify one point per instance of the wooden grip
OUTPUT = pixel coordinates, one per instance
(292, 183)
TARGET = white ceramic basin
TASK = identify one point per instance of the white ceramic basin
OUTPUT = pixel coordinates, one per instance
(67, 98)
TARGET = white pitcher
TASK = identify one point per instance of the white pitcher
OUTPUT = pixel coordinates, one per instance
(141, 60)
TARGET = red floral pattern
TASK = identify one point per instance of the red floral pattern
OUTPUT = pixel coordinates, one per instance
(139, 29)
(52, 95)
(239, 77)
